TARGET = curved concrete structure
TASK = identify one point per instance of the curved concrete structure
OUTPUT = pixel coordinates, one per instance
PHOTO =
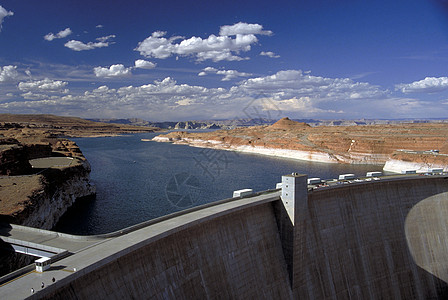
(384, 239)
(387, 240)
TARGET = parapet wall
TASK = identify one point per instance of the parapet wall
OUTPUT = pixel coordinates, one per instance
(378, 240)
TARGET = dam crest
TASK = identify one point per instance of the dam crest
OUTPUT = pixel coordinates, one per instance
(366, 240)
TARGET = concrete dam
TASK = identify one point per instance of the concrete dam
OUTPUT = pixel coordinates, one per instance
(385, 239)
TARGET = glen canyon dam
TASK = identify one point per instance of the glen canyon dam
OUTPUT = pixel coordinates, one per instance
(376, 239)
(224, 150)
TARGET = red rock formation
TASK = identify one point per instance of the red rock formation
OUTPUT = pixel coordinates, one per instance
(345, 144)
(288, 124)
(13, 158)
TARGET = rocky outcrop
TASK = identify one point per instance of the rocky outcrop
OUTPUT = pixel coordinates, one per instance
(195, 125)
(287, 124)
(15, 156)
(38, 150)
(61, 188)
(13, 160)
(67, 148)
(369, 144)
(38, 198)
(420, 162)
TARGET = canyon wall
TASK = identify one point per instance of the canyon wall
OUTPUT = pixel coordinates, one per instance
(367, 144)
(411, 160)
(38, 197)
(61, 189)
(378, 240)
(397, 166)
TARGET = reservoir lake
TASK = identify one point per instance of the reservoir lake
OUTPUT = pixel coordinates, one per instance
(137, 181)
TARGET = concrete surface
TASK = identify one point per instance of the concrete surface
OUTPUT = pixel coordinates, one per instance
(375, 241)
(125, 248)
(383, 239)
(44, 238)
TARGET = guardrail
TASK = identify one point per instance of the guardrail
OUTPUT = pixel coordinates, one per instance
(369, 180)
(142, 224)
(14, 274)
(176, 214)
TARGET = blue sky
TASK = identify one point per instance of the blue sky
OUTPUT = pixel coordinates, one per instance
(185, 60)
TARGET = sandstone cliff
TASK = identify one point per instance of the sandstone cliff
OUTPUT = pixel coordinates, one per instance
(41, 175)
(38, 197)
(421, 162)
(369, 144)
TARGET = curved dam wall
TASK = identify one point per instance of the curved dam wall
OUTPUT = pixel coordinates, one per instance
(378, 240)
(387, 240)
(235, 253)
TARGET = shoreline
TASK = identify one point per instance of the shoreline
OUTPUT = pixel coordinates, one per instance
(95, 135)
(386, 161)
(315, 156)
(396, 166)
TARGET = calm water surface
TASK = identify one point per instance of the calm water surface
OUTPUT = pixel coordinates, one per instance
(137, 181)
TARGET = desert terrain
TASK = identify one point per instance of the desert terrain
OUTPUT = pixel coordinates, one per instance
(27, 137)
(369, 144)
(25, 126)
(24, 138)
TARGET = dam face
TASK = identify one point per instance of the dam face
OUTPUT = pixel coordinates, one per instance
(233, 256)
(376, 240)
(380, 241)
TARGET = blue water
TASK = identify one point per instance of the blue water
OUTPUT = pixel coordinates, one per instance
(137, 181)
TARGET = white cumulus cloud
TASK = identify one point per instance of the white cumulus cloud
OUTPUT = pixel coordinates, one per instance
(8, 73)
(106, 38)
(208, 70)
(43, 85)
(113, 71)
(228, 74)
(3, 14)
(304, 105)
(243, 28)
(61, 34)
(232, 40)
(427, 85)
(294, 83)
(144, 64)
(232, 74)
(292, 93)
(80, 46)
(295, 93)
(269, 54)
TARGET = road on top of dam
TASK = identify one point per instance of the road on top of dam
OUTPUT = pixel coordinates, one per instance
(94, 249)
